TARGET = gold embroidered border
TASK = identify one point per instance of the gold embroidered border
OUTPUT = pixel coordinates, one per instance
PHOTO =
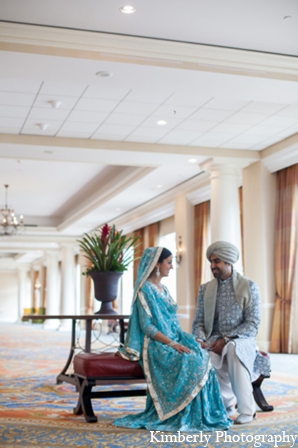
(154, 261)
(153, 394)
(135, 354)
(144, 303)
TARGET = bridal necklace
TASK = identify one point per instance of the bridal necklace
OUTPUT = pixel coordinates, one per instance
(158, 284)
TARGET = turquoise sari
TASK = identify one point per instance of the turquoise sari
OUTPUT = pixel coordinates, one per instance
(183, 391)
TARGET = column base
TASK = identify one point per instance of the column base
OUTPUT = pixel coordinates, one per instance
(65, 325)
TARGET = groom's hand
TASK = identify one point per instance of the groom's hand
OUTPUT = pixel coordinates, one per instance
(218, 346)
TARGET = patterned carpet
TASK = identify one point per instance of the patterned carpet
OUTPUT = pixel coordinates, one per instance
(35, 412)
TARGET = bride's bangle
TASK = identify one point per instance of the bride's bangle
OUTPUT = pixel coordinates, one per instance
(172, 343)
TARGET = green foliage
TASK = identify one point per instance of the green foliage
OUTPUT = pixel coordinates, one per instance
(108, 249)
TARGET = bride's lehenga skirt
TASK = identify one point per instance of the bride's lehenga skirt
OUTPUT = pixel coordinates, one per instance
(206, 412)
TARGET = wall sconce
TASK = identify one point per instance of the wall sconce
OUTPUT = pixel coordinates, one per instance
(179, 251)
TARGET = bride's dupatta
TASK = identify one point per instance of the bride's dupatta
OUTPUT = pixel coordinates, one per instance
(135, 338)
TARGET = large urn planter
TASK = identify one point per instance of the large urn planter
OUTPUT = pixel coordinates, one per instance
(105, 289)
(109, 253)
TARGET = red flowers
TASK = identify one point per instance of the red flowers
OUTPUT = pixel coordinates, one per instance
(108, 249)
(105, 231)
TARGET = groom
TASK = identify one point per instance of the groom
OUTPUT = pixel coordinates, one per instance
(227, 321)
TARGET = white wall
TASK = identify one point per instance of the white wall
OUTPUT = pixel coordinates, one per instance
(167, 226)
(8, 296)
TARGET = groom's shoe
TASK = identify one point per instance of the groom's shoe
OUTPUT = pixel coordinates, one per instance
(245, 418)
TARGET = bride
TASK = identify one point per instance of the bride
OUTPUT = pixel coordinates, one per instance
(183, 390)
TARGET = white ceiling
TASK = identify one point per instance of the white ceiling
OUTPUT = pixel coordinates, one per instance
(201, 109)
(267, 25)
(100, 155)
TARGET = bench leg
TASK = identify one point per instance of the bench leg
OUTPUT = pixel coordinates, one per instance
(259, 397)
(84, 405)
(78, 409)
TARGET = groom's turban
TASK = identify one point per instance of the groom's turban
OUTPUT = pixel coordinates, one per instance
(223, 250)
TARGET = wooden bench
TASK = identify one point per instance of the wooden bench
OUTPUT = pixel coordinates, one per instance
(108, 369)
(104, 369)
(259, 396)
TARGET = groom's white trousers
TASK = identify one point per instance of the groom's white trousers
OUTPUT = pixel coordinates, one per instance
(234, 380)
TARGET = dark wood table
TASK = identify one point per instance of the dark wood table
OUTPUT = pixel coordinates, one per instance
(89, 318)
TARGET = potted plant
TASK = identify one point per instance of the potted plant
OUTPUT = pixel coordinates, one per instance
(110, 252)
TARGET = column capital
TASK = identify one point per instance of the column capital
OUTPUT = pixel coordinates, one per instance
(53, 253)
(220, 164)
(71, 247)
(35, 267)
(68, 245)
(26, 267)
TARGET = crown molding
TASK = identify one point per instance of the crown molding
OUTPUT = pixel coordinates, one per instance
(110, 189)
(138, 50)
(196, 189)
(281, 155)
(111, 152)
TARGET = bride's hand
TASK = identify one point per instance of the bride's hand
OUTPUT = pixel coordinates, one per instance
(181, 348)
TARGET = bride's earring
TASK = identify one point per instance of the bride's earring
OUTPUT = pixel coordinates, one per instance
(157, 272)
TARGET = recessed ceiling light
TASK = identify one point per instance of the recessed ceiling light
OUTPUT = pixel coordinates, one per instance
(159, 186)
(43, 126)
(128, 9)
(192, 160)
(104, 74)
(161, 122)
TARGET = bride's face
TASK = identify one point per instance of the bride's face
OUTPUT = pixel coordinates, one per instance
(165, 266)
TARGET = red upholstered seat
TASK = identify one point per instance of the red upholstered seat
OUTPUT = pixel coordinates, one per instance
(106, 365)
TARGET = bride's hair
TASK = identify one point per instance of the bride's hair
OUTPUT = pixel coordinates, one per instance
(166, 253)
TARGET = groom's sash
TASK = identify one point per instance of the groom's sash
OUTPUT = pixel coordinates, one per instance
(242, 294)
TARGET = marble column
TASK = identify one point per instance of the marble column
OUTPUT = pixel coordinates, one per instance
(24, 290)
(68, 302)
(82, 309)
(184, 228)
(34, 292)
(41, 278)
(225, 206)
(52, 288)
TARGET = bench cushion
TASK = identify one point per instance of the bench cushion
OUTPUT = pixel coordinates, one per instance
(106, 365)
